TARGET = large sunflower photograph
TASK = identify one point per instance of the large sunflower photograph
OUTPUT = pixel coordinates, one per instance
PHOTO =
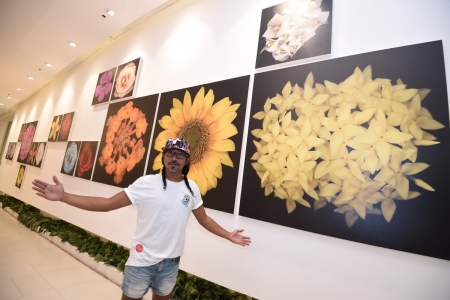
(125, 141)
(211, 118)
(354, 148)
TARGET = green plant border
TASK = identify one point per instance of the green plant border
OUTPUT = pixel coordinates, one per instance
(188, 287)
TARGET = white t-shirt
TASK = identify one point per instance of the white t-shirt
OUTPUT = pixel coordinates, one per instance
(162, 218)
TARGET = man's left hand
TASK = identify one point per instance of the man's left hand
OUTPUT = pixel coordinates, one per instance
(237, 238)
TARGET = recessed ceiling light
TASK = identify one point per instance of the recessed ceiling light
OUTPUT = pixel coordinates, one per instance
(48, 65)
(9, 97)
(19, 89)
(1, 103)
(29, 77)
(72, 44)
(110, 12)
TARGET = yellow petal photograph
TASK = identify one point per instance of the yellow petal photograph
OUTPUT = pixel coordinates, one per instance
(356, 149)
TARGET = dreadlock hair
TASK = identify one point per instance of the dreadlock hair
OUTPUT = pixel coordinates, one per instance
(185, 171)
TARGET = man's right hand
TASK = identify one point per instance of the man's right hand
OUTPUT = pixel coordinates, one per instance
(48, 191)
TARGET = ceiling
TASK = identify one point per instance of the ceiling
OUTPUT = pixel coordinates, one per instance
(36, 32)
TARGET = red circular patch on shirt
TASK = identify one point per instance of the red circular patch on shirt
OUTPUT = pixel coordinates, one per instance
(139, 248)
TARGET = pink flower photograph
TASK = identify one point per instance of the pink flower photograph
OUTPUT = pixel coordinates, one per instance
(104, 87)
(27, 140)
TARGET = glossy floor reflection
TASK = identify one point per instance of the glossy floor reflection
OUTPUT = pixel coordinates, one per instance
(32, 268)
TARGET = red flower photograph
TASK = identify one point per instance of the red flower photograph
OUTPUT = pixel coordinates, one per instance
(86, 160)
(66, 125)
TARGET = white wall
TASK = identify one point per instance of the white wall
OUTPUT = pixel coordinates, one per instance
(199, 41)
(3, 129)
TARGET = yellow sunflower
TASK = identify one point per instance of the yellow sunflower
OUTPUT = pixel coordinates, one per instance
(20, 176)
(207, 127)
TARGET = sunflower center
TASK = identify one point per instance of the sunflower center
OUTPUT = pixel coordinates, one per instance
(196, 133)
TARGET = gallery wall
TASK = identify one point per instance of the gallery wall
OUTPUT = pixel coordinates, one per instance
(3, 137)
(197, 42)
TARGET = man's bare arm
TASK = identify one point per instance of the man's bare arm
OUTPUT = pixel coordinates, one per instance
(211, 225)
(56, 193)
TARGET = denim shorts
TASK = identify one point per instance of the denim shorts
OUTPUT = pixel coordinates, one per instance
(161, 278)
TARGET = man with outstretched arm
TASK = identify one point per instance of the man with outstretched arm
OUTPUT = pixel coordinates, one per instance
(164, 202)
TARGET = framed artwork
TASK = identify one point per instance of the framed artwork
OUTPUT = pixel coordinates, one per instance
(125, 141)
(20, 176)
(104, 87)
(70, 158)
(211, 118)
(66, 125)
(86, 159)
(55, 128)
(22, 131)
(10, 151)
(31, 157)
(354, 148)
(125, 80)
(294, 30)
(40, 153)
(27, 141)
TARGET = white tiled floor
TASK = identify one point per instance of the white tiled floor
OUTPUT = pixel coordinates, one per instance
(32, 268)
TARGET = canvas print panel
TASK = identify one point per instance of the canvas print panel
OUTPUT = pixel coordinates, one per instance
(211, 118)
(40, 153)
(66, 126)
(125, 141)
(20, 176)
(10, 151)
(86, 159)
(125, 80)
(31, 158)
(354, 148)
(22, 131)
(55, 128)
(70, 158)
(103, 89)
(294, 30)
(27, 140)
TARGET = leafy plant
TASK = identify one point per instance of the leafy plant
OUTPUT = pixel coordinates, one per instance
(187, 287)
(190, 287)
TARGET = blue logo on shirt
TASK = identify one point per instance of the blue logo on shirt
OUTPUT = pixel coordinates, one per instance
(185, 200)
